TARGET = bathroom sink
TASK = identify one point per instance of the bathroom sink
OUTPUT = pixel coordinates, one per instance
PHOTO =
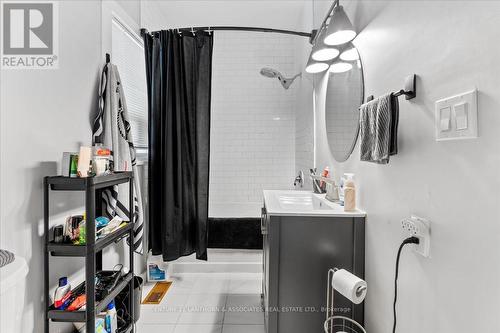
(303, 203)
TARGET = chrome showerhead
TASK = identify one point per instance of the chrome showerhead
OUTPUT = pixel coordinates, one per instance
(272, 73)
(269, 72)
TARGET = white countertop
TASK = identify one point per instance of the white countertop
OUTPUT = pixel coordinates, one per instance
(304, 203)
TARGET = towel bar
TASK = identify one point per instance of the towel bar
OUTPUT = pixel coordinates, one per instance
(409, 90)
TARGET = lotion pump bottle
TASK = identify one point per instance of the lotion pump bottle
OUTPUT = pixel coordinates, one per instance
(349, 195)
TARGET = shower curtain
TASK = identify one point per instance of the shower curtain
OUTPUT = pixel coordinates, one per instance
(178, 70)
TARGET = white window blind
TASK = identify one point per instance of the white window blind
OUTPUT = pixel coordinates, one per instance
(128, 55)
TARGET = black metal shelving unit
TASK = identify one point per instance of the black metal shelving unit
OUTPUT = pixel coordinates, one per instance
(91, 251)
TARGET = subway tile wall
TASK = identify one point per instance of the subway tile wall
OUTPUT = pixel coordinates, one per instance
(253, 117)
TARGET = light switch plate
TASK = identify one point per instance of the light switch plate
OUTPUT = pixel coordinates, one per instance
(463, 118)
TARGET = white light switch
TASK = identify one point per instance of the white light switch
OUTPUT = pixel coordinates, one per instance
(461, 116)
(456, 117)
(445, 115)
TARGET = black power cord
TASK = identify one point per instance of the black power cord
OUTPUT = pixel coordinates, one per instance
(409, 240)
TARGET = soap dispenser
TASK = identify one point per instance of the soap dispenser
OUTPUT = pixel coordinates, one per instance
(349, 195)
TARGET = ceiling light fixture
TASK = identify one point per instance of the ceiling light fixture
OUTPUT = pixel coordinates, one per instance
(314, 66)
(321, 51)
(340, 29)
(350, 54)
(340, 67)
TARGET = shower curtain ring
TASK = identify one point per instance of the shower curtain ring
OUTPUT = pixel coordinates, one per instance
(192, 31)
(179, 31)
(209, 31)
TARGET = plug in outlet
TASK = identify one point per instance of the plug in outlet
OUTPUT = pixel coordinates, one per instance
(421, 228)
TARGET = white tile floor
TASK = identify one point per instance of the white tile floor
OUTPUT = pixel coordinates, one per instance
(206, 303)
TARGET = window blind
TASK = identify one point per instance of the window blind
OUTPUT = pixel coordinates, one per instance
(128, 55)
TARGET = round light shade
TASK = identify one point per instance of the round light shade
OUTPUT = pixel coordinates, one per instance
(325, 54)
(314, 66)
(349, 55)
(340, 67)
(321, 51)
(340, 29)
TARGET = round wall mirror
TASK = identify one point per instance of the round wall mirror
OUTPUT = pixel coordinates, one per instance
(344, 95)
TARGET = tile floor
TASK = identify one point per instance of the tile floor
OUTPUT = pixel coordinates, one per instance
(206, 303)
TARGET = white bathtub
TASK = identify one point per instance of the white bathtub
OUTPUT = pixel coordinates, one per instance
(234, 209)
(224, 260)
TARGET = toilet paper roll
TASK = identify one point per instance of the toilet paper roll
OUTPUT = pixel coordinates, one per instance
(349, 285)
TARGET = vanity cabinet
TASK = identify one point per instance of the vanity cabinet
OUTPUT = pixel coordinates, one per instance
(297, 254)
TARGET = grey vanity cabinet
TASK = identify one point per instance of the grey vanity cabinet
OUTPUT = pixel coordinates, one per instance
(298, 252)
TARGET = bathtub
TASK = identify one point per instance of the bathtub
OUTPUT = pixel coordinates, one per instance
(226, 260)
(234, 209)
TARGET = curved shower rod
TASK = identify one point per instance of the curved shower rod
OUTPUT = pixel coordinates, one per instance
(234, 28)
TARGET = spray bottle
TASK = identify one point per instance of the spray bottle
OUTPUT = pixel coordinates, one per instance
(111, 318)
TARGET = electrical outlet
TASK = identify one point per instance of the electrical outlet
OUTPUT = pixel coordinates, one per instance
(418, 227)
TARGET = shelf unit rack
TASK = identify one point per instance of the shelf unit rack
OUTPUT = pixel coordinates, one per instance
(91, 251)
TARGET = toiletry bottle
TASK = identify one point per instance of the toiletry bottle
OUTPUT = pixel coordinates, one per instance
(349, 195)
(324, 174)
(78, 303)
(73, 169)
(111, 318)
(63, 293)
(82, 233)
(75, 231)
(58, 234)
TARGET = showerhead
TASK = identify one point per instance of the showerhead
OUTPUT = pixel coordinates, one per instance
(272, 73)
(269, 72)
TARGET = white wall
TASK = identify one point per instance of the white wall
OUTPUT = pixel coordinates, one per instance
(132, 8)
(278, 14)
(43, 113)
(451, 46)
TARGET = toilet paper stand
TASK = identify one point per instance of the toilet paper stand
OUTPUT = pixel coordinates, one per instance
(344, 323)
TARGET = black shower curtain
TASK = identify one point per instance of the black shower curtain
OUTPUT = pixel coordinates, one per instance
(178, 70)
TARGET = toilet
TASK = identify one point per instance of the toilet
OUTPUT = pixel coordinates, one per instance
(12, 291)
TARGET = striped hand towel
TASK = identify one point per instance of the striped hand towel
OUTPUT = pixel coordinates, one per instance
(6, 257)
(378, 128)
(112, 128)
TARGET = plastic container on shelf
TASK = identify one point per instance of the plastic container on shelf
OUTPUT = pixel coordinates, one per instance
(62, 293)
(111, 318)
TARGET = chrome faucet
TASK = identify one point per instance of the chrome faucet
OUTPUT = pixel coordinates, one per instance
(299, 179)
